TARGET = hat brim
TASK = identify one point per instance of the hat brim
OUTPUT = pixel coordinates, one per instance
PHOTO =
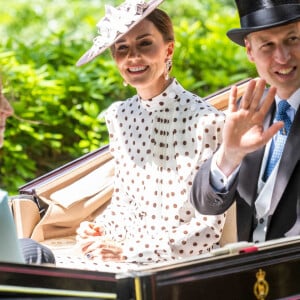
(238, 35)
(92, 54)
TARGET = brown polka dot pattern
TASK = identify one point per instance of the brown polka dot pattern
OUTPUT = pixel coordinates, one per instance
(158, 145)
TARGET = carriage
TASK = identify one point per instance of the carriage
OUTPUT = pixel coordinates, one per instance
(42, 211)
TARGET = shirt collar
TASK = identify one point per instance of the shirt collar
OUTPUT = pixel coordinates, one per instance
(294, 100)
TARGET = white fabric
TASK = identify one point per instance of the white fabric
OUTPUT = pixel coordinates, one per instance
(158, 145)
(85, 187)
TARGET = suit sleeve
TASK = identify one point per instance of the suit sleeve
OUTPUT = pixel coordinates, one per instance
(205, 198)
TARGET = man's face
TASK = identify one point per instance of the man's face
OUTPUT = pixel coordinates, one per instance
(5, 111)
(276, 54)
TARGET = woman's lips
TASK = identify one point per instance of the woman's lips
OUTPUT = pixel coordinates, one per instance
(138, 69)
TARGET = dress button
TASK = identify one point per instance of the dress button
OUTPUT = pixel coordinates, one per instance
(261, 220)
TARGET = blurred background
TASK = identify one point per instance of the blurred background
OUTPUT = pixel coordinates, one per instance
(57, 104)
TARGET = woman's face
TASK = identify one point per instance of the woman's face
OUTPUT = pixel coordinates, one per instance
(141, 57)
(5, 111)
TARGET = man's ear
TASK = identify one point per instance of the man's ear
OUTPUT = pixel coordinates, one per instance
(249, 50)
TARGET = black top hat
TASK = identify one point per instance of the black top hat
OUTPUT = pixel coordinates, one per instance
(258, 15)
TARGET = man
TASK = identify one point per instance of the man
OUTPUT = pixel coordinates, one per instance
(267, 198)
(13, 249)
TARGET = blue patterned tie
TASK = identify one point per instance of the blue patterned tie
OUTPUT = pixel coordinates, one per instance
(276, 149)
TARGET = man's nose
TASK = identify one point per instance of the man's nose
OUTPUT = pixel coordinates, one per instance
(282, 54)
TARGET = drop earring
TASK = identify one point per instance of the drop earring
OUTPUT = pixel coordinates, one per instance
(168, 68)
(125, 83)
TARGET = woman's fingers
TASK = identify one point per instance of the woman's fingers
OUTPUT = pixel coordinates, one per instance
(105, 250)
(87, 246)
(87, 229)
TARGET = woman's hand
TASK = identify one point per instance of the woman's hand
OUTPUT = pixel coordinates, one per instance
(104, 249)
(244, 131)
(93, 244)
(88, 230)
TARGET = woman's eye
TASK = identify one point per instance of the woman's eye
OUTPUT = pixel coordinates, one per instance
(122, 48)
(145, 43)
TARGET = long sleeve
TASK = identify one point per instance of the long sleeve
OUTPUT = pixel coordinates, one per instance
(158, 145)
(128, 224)
(205, 198)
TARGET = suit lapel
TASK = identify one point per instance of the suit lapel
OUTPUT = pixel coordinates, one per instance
(247, 187)
(289, 159)
(249, 174)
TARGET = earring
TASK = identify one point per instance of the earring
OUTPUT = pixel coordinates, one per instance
(125, 83)
(168, 68)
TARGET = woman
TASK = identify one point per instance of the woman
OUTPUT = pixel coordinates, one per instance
(13, 249)
(159, 138)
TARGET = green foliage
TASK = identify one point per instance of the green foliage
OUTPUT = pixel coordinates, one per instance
(57, 104)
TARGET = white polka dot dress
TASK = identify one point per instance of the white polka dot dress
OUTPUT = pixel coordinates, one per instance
(158, 145)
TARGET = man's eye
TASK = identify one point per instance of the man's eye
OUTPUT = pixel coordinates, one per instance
(266, 45)
(294, 39)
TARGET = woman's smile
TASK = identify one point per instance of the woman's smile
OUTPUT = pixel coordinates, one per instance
(137, 69)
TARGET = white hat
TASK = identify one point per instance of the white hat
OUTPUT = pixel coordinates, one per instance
(116, 23)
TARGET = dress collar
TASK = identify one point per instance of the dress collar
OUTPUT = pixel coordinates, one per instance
(170, 97)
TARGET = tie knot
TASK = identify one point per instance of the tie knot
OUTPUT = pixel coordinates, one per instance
(281, 115)
(283, 106)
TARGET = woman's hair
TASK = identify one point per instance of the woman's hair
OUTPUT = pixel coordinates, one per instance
(163, 23)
